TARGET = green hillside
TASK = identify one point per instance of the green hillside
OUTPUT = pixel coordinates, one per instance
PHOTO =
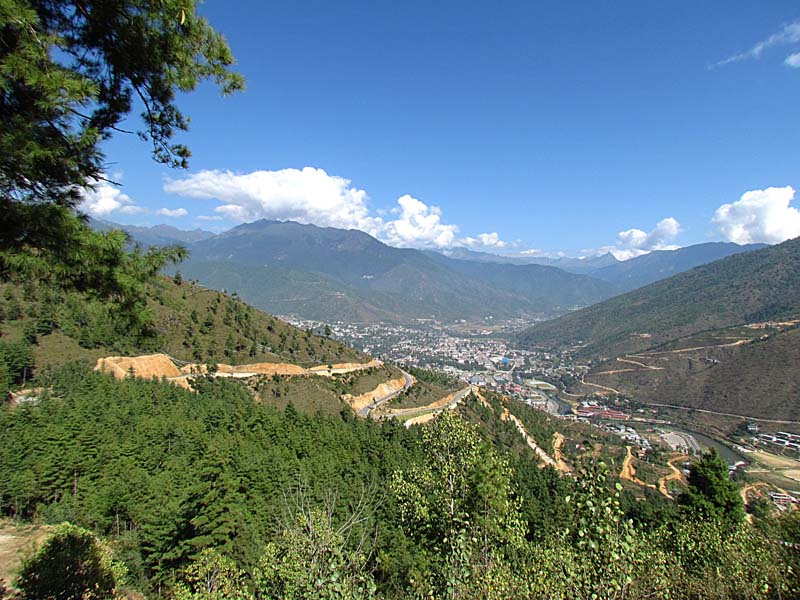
(189, 322)
(750, 287)
(186, 487)
(309, 294)
(334, 274)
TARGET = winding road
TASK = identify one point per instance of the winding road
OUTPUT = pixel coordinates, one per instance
(410, 412)
(409, 381)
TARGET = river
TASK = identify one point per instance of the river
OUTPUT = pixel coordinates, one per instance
(728, 454)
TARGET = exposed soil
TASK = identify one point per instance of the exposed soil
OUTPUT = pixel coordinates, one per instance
(675, 475)
(628, 471)
(161, 365)
(381, 391)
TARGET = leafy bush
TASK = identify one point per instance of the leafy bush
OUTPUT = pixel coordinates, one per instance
(70, 565)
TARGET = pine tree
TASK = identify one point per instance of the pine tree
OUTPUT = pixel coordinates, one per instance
(712, 493)
(70, 72)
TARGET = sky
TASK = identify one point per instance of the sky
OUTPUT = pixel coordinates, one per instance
(531, 127)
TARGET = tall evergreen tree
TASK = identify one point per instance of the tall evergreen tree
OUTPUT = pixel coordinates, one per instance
(711, 493)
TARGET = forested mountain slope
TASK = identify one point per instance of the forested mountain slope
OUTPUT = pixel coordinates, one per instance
(749, 287)
(334, 274)
(544, 285)
(211, 487)
(187, 321)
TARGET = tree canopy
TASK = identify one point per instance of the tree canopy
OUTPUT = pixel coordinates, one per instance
(711, 492)
(71, 71)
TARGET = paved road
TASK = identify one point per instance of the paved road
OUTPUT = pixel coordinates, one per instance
(406, 414)
(712, 412)
(409, 381)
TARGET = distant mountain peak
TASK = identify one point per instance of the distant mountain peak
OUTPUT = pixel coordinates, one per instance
(155, 235)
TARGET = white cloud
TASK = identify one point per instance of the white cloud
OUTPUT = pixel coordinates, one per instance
(178, 212)
(418, 226)
(793, 60)
(103, 198)
(308, 195)
(789, 34)
(759, 216)
(484, 240)
(635, 242)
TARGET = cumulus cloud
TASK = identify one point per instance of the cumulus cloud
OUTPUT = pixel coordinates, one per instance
(635, 242)
(178, 212)
(759, 216)
(103, 198)
(305, 195)
(484, 240)
(418, 226)
(311, 195)
(789, 34)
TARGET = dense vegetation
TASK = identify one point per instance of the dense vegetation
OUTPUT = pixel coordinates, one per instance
(42, 324)
(750, 287)
(291, 505)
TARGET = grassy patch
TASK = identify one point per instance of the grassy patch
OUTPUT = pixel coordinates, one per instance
(361, 382)
(308, 393)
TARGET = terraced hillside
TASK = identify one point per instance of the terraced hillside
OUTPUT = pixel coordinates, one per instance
(747, 371)
(744, 288)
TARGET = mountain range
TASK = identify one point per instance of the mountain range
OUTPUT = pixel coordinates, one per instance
(346, 275)
(583, 265)
(742, 288)
(626, 275)
(335, 274)
(722, 337)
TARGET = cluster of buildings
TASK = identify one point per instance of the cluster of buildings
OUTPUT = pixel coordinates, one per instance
(475, 355)
(784, 501)
(782, 440)
(426, 345)
(592, 409)
(630, 435)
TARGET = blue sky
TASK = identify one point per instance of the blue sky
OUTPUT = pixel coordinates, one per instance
(545, 126)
